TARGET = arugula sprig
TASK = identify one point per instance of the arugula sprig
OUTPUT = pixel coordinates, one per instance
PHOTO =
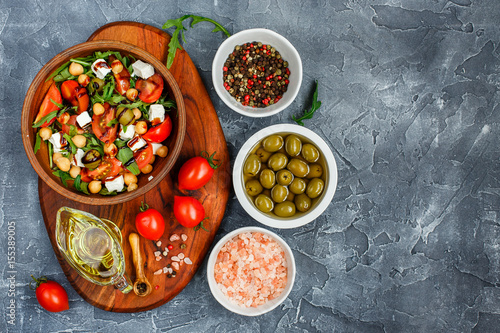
(314, 107)
(174, 43)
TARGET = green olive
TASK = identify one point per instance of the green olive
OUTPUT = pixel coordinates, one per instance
(263, 154)
(298, 167)
(310, 153)
(253, 187)
(315, 171)
(298, 186)
(279, 193)
(267, 178)
(95, 85)
(285, 209)
(125, 116)
(290, 196)
(277, 161)
(91, 159)
(302, 202)
(315, 188)
(284, 177)
(252, 165)
(273, 143)
(293, 145)
(264, 203)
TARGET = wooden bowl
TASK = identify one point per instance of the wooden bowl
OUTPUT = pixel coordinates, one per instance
(39, 88)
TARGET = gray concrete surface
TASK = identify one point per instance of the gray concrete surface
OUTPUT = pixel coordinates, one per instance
(410, 93)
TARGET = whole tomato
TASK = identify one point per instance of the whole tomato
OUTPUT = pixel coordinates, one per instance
(149, 223)
(189, 212)
(50, 295)
(196, 172)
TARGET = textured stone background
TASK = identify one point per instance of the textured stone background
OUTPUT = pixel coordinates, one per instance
(410, 93)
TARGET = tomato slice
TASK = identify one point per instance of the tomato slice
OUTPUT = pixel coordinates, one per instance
(159, 132)
(99, 124)
(122, 81)
(144, 156)
(47, 106)
(150, 90)
(84, 174)
(72, 121)
(110, 167)
(76, 95)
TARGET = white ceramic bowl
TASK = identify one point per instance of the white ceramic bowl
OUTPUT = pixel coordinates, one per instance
(270, 305)
(298, 219)
(288, 53)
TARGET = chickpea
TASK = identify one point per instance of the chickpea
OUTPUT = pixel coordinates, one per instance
(45, 133)
(95, 186)
(74, 171)
(56, 157)
(132, 94)
(83, 79)
(75, 69)
(79, 140)
(137, 113)
(110, 149)
(63, 163)
(116, 66)
(129, 178)
(141, 127)
(152, 159)
(98, 109)
(132, 187)
(162, 151)
(63, 118)
(147, 169)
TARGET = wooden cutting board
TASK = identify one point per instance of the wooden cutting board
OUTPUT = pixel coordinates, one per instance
(203, 133)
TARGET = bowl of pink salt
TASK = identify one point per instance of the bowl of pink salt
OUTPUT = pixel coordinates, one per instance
(251, 271)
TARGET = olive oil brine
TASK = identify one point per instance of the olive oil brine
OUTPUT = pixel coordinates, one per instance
(92, 246)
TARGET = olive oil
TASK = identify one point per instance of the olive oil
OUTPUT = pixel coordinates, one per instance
(92, 247)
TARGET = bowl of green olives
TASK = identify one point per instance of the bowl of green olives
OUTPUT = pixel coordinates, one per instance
(285, 176)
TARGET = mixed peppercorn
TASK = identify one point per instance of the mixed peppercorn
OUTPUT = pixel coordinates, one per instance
(256, 75)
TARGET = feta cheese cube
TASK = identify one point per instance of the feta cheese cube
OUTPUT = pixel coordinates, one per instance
(156, 111)
(116, 184)
(100, 68)
(156, 146)
(128, 134)
(136, 143)
(142, 69)
(77, 158)
(83, 119)
(58, 142)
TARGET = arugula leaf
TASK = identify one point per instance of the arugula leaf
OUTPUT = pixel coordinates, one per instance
(126, 154)
(64, 75)
(80, 185)
(70, 142)
(47, 118)
(51, 151)
(105, 191)
(81, 62)
(63, 175)
(38, 142)
(112, 123)
(57, 71)
(174, 43)
(314, 107)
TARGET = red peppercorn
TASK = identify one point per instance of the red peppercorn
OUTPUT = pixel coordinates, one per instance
(170, 246)
(228, 87)
(251, 45)
(279, 77)
(286, 81)
(244, 58)
(224, 69)
(255, 76)
(247, 98)
(156, 287)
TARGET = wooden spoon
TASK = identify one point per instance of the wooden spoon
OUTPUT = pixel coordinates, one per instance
(142, 287)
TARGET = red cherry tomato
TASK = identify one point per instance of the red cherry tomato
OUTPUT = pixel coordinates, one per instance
(196, 172)
(149, 223)
(99, 125)
(76, 95)
(189, 212)
(159, 132)
(110, 167)
(47, 106)
(143, 157)
(150, 90)
(72, 121)
(50, 295)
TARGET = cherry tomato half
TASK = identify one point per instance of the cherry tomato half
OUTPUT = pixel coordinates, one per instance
(110, 167)
(99, 124)
(72, 121)
(196, 172)
(149, 223)
(160, 132)
(47, 106)
(76, 95)
(144, 156)
(150, 90)
(50, 295)
(188, 211)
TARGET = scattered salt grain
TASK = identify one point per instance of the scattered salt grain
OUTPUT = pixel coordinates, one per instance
(158, 258)
(165, 253)
(165, 269)
(158, 272)
(158, 243)
(157, 253)
(181, 255)
(188, 261)
(175, 265)
(184, 237)
(175, 258)
(174, 238)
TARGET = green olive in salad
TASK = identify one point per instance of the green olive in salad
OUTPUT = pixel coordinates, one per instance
(104, 118)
